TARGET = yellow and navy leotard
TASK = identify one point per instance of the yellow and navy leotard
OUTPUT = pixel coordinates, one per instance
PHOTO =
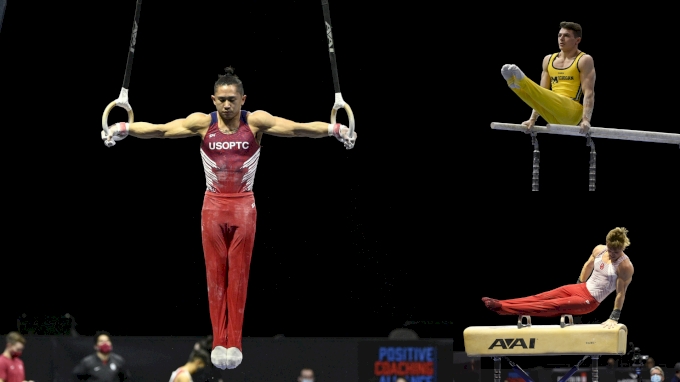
(566, 81)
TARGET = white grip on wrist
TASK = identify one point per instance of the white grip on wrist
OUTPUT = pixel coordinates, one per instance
(118, 131)
(334, 130)
(342, 134)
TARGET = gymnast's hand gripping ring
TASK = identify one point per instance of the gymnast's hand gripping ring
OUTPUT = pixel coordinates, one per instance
(340, 104)
(123, 102)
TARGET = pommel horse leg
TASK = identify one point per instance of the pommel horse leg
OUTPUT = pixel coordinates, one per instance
(497, 369)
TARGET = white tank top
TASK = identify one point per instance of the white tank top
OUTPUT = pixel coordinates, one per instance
(603, 280)
(178, 372)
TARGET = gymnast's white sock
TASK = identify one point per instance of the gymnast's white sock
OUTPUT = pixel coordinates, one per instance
(226, 358)
(505, 72)
(509, 71)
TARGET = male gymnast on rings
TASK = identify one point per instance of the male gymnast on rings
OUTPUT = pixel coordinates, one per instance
(230, 149)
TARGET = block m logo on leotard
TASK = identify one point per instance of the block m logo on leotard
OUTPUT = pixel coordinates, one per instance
(511, 343)
(557, 79)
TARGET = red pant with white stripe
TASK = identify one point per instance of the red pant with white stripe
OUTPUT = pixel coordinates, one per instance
(569, 299)
(228, 232)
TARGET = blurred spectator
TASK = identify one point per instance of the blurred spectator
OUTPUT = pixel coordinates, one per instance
(401, 379)
(650, 363)
(198, 359)
(306, 375)
(11, 365)
(210, 373)
(611, 363)
(656, 374)
(204, 343)
(103, 365)
(609, 373)
(676, 377)
(645, 370)
(403, 334)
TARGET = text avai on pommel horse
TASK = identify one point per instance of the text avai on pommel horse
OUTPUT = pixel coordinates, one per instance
(582, 339)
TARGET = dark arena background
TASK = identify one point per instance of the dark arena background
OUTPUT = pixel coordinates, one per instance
(368, 263)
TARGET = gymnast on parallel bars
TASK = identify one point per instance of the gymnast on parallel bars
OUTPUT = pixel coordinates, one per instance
(566, 94)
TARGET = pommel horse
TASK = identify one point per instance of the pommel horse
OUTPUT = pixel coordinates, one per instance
(590, 340)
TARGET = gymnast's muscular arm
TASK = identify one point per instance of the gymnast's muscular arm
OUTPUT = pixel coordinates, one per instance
(196, 124)
(623, 279)
(545, 77)
(586, 66)
(263, 122)
(588, 266)
(545, 82)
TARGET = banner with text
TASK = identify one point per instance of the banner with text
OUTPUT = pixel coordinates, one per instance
(415, 361)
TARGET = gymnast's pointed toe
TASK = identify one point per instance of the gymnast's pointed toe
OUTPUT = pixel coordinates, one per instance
(491, 303)
(506, 72)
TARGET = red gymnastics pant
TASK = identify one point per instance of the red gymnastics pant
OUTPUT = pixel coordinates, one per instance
(569, 299)
(228, 233)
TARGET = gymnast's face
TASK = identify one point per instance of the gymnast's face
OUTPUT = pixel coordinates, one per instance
(614, 254)
(228, 101)
(566, 39)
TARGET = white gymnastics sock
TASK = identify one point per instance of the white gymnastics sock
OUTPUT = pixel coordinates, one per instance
(516, 72)
(234, 358)
(509, 71)
(505, 72)
(226, 358)
(218, 356)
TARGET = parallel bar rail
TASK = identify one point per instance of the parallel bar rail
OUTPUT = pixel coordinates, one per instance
(595, 132)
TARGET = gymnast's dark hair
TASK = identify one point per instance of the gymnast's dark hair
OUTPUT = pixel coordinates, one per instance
(574, 27)
(205, 343)
(200, 354)
(229, 78)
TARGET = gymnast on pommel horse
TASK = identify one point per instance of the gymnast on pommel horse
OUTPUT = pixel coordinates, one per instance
(606, 270)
